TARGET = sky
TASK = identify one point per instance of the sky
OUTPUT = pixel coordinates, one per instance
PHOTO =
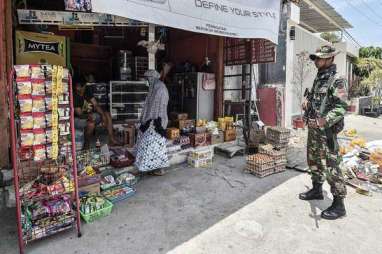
(366, 18)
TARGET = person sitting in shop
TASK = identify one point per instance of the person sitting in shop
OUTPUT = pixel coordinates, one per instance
(88, 114)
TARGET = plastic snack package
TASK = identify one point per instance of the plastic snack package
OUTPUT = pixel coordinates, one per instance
(39, 137)
(39, 120)
(38, 104)
(48, 103)
(64, 113)
(38, 87)
(37, 72)
(39, 153)
(47, 69)
(48, 134)
(49, 151)
(64, 128)
(48, 119)
(48, 86)
(27, 138)
(24, 86)
(25, 102)
(63, 99)
(26, 120)
(22, 71)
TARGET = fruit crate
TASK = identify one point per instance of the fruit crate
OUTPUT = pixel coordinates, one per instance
(278, 134)
(91, 217)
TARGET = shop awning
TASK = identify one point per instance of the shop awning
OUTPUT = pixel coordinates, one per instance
(233, 18)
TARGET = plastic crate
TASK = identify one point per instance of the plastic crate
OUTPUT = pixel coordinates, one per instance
(125, 192)
(89, 218)
(276, 154)
(260, 165)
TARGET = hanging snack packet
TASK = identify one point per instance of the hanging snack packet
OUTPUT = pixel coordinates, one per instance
(63, 99)
(22, 71)
(48, 119)
(48, 103)
(39, 153)
(25, 102)
(27, 138)
(64, 113)
(39, 120)
(24, 86)
(37, 72)
(47, 69)
(39, 137)
(48, 134)
(48, 86)
(26, 121)
(38, 87)
(64, 128)
(38, 104)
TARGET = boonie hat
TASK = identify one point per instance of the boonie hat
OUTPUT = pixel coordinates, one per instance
(326, 51)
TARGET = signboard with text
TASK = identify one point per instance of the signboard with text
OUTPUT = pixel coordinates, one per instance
(229, 18)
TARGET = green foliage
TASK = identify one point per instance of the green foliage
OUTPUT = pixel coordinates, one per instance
(330, 37)
(370, 52)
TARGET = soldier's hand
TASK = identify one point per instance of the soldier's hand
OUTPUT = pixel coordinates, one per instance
(321, 122)
(304, 105)
(312, 123)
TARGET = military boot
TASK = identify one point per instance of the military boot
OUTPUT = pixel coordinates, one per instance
(314, 193)
(336, 210)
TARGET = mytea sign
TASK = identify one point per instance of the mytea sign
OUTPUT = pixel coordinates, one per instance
(234, 18)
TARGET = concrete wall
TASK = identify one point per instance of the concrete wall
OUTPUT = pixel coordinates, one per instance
(304, 41)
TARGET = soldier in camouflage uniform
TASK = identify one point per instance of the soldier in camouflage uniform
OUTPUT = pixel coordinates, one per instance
(329, 100)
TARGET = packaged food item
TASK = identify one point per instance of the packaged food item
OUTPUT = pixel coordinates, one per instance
(64, 128)
(48, 134)
(39, 137)
(47, 69)
(37, 72)
(26, 120)
(39, 153)
(48, 86)
(48, 119)
(25, 102)
(26, 153)
(38, 87)
(27, 138)
(24, 86)
(39, 120)
(22, 71)
(64, 113)
(65, 87)
(38, 104)
(48, 103)
(63, 99)
(65, 74)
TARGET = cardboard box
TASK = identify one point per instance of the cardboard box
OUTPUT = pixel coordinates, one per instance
(217, 138)
(200, 139)
(173, 133)
(185, 124)
(230, 135)
(129, 136)
(92, 188)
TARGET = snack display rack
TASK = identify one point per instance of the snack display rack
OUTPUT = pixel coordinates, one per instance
(43, 152)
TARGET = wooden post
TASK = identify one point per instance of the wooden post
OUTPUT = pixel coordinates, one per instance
(219, 93)
(5, 64)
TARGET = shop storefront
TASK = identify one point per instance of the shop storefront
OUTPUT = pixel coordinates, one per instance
(58, 47)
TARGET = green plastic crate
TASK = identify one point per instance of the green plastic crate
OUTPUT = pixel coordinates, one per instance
(89, 218)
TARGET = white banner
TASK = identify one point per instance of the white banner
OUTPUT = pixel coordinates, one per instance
(233, 18)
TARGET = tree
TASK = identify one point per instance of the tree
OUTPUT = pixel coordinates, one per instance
(370, 52)
(330, 37)
(302, 70)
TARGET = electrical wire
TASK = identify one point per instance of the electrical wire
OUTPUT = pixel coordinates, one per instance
(350, 3)
(371, 9)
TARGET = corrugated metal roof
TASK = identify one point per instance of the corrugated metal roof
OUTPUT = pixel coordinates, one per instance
(314, 21)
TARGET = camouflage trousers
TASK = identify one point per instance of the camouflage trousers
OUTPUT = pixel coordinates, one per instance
(324, 163)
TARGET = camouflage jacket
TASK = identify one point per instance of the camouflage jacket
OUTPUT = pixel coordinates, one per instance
(336, 105)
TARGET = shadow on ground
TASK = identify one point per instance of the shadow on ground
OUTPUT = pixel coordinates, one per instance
(166, 212)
